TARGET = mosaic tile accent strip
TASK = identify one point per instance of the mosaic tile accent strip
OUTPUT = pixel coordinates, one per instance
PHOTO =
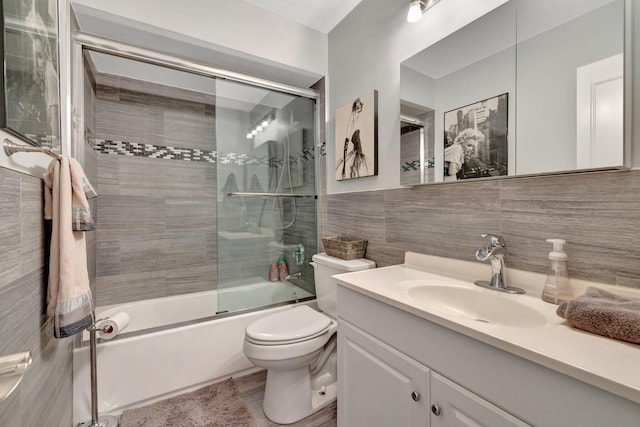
(107, 146)
(322, 148)
(415, 165)
(243, 159)
(123, 148)
(410, 166)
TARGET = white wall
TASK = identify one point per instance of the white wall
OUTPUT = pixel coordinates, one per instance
(34, 164)
(484, 79)
(231, 24)
(416, 87)
(547, 66)
(365, 52)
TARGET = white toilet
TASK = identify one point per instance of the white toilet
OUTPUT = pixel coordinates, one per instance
(298, 347)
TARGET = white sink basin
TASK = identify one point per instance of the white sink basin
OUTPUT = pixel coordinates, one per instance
(478, 304)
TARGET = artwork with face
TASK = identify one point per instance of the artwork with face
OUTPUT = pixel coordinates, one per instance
(32, 98)
(357, 138)
(475, 140)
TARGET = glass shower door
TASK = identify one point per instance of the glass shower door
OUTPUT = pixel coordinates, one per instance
(266, 183)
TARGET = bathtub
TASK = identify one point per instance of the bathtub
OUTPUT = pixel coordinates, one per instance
(140, 367)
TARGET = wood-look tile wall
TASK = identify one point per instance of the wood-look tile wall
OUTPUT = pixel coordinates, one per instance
(252, 255)
(597, 213)
(45, 395)
(304, 229)
(156, 217)
(157, 220)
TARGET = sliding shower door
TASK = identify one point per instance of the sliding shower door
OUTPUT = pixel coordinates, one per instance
(266, 181)
(204, 184)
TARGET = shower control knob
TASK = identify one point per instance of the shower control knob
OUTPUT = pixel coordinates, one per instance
(415, 396)
(435, 409)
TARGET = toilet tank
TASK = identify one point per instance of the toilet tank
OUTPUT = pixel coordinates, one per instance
(326, 266)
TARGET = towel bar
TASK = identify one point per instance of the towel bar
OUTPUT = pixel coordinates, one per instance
(10, 148)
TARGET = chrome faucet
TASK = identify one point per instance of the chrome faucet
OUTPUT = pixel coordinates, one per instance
(298, 256)
(494, 252)
(296, 275)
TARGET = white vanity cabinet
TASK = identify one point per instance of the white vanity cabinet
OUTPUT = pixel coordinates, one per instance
(393, 365)
(379, 386)
(455, 406)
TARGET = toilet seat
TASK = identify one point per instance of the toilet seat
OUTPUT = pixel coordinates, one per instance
(298, 324)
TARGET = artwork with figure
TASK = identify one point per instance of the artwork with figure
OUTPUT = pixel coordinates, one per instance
(475, 140)
(31, 101)
(357, 138)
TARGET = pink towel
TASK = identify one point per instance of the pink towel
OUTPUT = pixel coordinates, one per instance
(69, 299)
(604, 313)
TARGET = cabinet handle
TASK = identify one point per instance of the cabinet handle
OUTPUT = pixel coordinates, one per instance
(415, 396)
(435, 409)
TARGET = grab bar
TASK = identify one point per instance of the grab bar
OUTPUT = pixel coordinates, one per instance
(240, 194)
(10, 148)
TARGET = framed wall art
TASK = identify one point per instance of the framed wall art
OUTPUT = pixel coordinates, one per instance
(476, 139)
(357, 137)
(30, 99)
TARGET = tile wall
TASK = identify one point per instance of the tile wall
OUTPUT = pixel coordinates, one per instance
(157, 212)
(252, 231)
(597, 213)
(165, 226)
(44, 396)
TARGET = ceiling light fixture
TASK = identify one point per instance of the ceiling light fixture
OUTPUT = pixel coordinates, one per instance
(417, 8)
(262, 125)
(415, 11)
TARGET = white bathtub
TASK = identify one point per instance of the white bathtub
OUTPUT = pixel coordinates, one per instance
(144, 367)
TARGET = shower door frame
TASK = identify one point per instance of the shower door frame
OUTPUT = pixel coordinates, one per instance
(82, 42)
(124, 50)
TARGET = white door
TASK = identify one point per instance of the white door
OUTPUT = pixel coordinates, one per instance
(600, 112)
(377, 385)
(455, 406)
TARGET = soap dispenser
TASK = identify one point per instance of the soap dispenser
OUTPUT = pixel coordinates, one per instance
(557, 288)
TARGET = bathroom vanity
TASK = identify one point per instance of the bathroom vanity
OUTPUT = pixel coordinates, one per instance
(419, 345)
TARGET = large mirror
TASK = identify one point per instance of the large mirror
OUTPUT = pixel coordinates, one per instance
(532, 87)
(30, 99)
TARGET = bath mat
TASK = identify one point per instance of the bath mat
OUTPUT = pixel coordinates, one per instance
(216, 405)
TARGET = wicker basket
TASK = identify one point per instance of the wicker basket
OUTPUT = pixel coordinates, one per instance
(344, 247)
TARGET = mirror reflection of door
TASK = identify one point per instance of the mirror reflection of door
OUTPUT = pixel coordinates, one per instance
(416, 144)
(600, 113)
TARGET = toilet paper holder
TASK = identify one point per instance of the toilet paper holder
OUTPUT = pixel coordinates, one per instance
(96, 420)
(111, 326)
(107, 329)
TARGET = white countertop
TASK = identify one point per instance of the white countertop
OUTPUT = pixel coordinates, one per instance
(602, 362)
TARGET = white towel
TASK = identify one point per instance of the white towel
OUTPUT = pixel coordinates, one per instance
(69, 299)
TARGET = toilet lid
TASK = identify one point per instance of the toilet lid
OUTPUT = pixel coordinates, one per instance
(289, 325)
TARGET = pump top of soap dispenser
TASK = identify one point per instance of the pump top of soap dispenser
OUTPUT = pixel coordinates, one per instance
(557, 253)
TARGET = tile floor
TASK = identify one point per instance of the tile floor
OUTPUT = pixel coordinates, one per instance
(251, 388)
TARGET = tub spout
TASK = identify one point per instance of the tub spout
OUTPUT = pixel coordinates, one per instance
(296, 275)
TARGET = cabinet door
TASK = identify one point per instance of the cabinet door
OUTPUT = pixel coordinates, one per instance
(377, 385)
(454, 406)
